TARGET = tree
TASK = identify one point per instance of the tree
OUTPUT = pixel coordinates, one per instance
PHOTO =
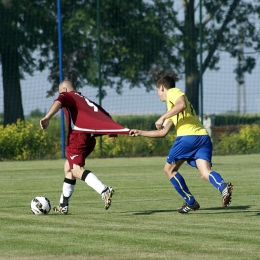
(134, 37)
(221, 29)
(28, 34)
(139, 35)
(25, 31)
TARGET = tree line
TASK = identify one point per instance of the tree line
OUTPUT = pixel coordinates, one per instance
(137, 39)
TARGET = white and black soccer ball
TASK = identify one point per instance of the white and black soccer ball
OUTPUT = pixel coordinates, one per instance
(40, 205)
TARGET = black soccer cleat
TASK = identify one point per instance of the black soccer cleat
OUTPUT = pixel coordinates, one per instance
(227, 194)
(186, 208)
(61, 210)
(106, 196)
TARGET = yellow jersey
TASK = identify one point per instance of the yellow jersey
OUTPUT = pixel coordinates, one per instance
(186, 122)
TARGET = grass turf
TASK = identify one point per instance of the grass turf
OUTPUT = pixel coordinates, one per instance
(142, 222)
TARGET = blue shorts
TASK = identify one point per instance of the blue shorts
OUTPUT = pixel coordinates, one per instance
(190, 148)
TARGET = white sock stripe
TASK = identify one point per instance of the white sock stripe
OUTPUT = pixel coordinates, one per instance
(218, 183)
(187, 194)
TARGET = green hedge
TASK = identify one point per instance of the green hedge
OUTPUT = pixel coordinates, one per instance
(26, 141)
(126, 146)
(222, 120)
(246, 141)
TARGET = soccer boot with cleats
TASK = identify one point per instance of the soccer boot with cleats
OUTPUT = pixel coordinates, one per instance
(227, 194)
(186, 208)
(61, 210)
(107, 197)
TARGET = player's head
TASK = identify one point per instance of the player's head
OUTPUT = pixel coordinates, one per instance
(167, 80)
(66, 86)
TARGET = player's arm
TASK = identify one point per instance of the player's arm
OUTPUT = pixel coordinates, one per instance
(153, 133)
(179, 106)
(44, 122)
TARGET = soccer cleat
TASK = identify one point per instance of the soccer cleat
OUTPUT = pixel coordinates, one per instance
(107, 196)
(61, 210)
(227, 194)
(187, 207)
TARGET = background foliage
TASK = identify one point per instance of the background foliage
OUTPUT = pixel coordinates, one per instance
(26, 141)
(119, 45)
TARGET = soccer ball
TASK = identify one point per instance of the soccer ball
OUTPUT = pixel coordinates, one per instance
(40, 205)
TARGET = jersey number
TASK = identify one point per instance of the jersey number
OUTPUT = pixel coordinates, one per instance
(91, 105)
(88, 102)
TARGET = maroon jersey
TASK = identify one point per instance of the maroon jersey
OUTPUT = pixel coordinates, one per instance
(85, 116)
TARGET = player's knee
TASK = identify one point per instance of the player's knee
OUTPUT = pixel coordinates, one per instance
(166, 170)
(77, 171)
(204, 176)
(68, 174)
(169, 171)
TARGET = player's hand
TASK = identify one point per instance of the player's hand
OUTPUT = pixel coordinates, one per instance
(44, 123)
(159, 124)
(134, 132)
(113, 136)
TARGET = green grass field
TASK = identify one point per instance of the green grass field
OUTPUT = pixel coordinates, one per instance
(142, 222)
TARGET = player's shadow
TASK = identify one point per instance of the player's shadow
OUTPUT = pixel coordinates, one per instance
(244, 207)
(151, 212)
(215, 210)
(231, 209)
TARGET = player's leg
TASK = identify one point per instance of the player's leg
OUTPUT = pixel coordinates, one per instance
(178, 182)
(225, 188)
(203, 163)
(87, 144)
(91, 180)
(80, 146)
(67, 190)
(105, 191)
(180, 150)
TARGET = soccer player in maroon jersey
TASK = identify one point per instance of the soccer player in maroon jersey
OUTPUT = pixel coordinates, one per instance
(85, 120)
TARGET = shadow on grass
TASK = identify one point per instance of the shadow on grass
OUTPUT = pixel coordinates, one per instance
(215, 210)
(230, 210)
(151, 212)
(245, 207)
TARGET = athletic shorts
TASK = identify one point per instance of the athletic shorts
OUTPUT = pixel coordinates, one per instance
(191, 148)
(79, 147)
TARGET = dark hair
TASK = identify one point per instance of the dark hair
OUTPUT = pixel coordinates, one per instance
(166, 78)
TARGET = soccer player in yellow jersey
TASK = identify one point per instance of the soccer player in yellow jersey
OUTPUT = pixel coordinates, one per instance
(192, 144)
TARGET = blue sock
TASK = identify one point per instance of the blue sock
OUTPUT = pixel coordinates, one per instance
(180, 186)
(216, 180)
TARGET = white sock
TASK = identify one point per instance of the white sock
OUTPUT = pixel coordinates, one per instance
(67, 191)
(94, 182)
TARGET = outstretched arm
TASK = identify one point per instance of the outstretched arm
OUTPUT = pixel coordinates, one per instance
(53, 110)
(153, 133)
